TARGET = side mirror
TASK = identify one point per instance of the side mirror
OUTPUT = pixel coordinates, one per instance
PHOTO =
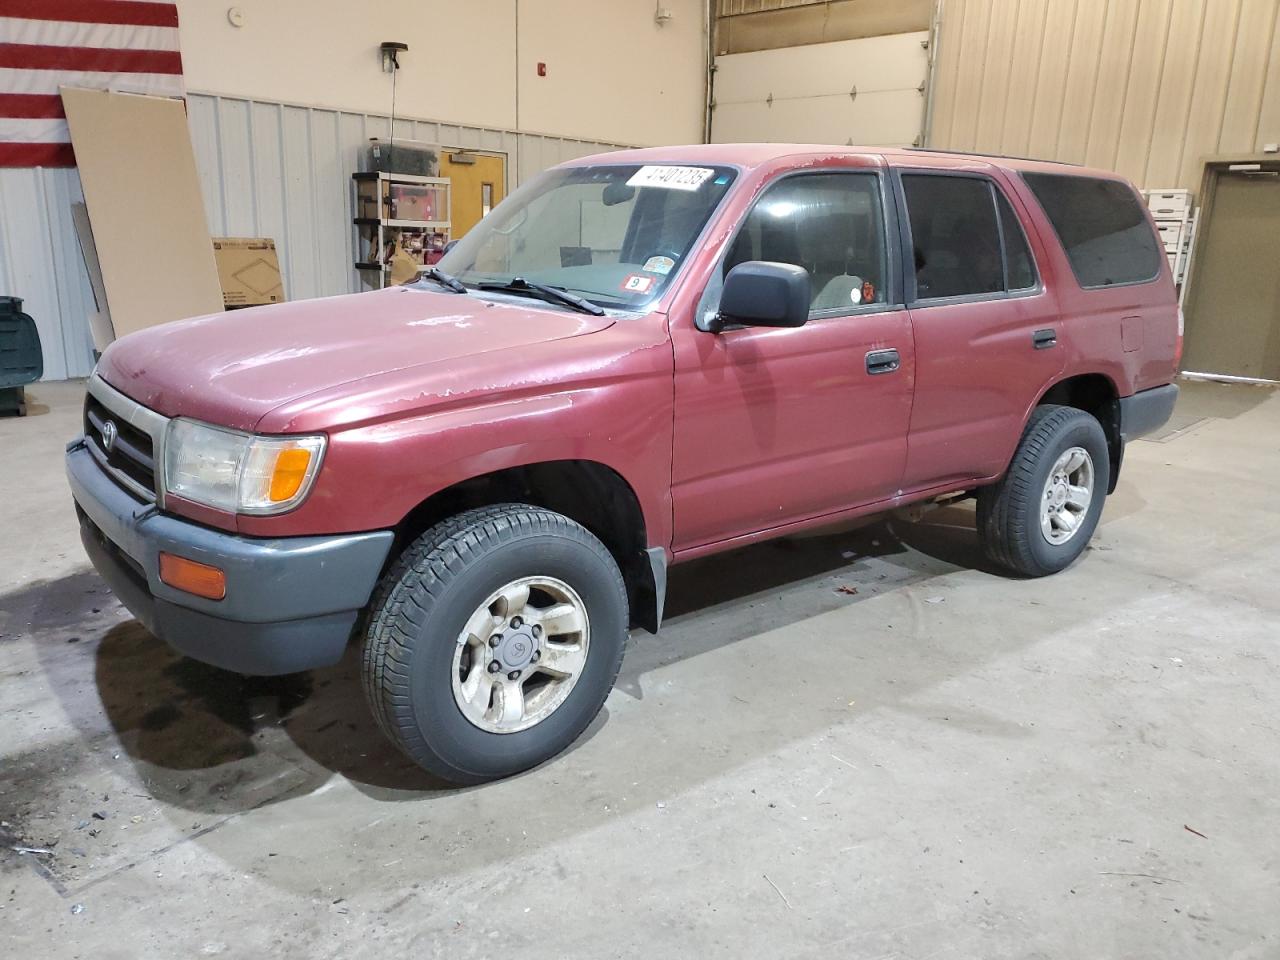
(760, 293)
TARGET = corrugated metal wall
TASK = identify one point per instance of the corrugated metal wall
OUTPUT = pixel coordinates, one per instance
(266, 169)
(281, 171)
(1145, 87)
(40, 261)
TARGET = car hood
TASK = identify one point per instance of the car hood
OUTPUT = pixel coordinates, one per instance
(233, 368)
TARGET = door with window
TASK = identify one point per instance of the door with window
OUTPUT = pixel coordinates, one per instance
(774, 426)
(477, 180)
(985, 327)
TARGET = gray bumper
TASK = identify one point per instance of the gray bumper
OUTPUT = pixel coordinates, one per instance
(291, 602)
(1146, 411)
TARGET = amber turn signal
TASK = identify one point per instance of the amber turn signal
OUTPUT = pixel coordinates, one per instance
(191, 577)
(289, 472)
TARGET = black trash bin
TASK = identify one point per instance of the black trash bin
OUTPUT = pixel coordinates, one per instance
(21, 360)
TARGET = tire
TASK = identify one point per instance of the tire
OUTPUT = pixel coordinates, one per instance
(1010, 511)
(429, 599)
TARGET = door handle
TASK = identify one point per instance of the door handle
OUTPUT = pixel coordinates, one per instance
(1044, 339)
(883, 361)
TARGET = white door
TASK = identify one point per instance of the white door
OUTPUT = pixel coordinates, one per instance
(866, 92)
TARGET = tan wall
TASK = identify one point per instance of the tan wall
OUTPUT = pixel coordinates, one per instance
(613, 74)
(1145, 87)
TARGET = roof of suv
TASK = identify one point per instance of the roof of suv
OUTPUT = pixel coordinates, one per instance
(750, 155)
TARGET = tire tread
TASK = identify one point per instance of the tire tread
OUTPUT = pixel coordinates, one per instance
(403, 600)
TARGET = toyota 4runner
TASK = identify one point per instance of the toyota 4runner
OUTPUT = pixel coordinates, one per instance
(636, 359)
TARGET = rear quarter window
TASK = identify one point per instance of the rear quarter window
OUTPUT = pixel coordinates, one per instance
(1102, 226)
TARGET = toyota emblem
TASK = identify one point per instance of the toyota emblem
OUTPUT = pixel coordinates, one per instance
(109, 435)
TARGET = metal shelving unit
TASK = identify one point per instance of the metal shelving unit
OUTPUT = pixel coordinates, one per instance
(380, 202)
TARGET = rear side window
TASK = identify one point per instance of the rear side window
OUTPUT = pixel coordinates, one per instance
(965, 237)
(1021, 271)
(954, 236)
(1102, 227)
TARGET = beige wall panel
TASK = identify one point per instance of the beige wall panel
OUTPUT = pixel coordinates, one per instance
(1047, 109)
(1024, 74)
(1208, 96)
(1142, 91)
(1082, 77)
(1268, 129)
(994, 90)
(1248, 76)
(946, 68)
(1144, 87)
(1178, 81)
(975, 30)
(1107, 112)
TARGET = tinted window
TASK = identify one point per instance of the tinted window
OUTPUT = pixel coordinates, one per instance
(1102, 227)
(830, 224)
(954, 237)
(1020, 269)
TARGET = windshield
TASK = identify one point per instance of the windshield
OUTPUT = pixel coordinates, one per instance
(615, 234)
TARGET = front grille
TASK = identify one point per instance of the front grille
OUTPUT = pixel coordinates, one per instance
(130, 456)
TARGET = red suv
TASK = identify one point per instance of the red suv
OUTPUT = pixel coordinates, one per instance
(636, 359)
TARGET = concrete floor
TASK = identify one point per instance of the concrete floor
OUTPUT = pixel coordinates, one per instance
(864, 744)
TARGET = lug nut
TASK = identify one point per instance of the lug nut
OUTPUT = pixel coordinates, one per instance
(535, 656)
(537, 630)
(513, 675)
(515, 622)
(494, 666)
(495, 640)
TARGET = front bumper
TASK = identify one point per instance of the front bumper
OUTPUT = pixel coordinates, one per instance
(291, 602)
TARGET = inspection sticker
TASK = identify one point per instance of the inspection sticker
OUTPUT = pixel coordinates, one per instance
(670, 178)
(636, 283)
(659, 264)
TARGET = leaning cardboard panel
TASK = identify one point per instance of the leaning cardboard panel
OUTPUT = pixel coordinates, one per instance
(140, 184)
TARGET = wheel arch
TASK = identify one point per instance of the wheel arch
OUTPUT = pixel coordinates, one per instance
(587, 492)
(1097, 395)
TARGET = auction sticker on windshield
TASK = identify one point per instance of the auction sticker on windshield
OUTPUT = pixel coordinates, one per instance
(670, 178)
(634, 283)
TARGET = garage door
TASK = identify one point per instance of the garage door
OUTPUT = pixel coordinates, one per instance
(866, 92)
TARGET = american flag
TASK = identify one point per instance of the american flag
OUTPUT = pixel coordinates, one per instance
(125, 45)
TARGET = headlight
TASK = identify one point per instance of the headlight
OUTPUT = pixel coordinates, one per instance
(239, 472)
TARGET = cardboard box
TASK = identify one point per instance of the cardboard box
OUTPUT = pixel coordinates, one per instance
(248, 270)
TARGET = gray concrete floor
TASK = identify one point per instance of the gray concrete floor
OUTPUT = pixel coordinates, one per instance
(862, 744)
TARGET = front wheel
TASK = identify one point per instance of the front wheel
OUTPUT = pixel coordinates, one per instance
(1040, 516)
(494, 641)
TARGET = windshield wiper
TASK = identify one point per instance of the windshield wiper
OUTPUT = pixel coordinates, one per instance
(521, 286)
(446, 280)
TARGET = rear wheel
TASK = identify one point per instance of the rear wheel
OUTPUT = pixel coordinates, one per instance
(494, 641)
(1040, 516)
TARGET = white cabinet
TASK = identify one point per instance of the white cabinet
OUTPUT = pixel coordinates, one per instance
(1175, 221)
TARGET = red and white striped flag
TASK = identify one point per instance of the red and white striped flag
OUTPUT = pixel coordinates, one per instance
(125, 45)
